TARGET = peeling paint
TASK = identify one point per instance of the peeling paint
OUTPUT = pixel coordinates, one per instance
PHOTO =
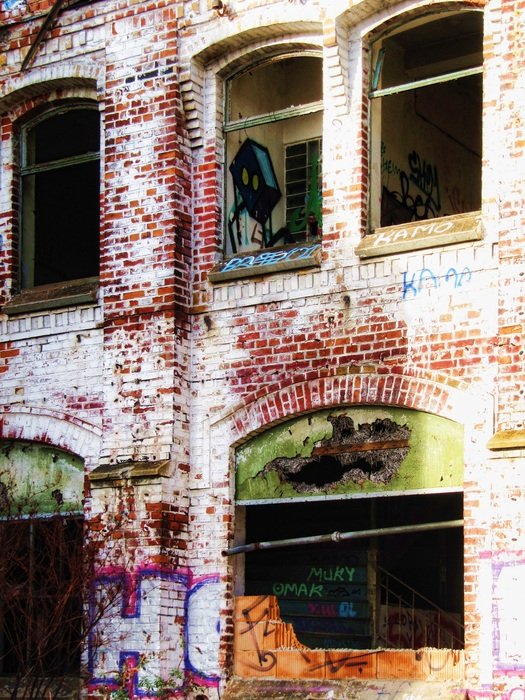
(307, 456)
(378, 465)
(37, 478)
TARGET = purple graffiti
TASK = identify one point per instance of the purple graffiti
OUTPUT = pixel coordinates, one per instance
(117, 646)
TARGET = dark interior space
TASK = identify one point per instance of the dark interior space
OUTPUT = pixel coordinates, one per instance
(329, 592)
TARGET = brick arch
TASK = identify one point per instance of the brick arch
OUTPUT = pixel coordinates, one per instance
(52, 428)
(224, 55)
(379, 11)
(79, 76)
(434, 396)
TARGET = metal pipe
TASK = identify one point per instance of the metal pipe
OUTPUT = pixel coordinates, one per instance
(341, 536)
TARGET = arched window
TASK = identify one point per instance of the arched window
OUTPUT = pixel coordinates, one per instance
(426, 94)
(60, 176)
(42, 570)
(273, 152)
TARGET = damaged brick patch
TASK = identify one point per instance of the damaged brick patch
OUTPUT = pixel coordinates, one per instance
(374, 452)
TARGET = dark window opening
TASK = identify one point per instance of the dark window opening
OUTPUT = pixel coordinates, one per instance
(426, 92)
(391, 591)
(40, 607)
(60, 198)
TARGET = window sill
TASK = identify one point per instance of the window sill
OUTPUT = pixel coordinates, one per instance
(416, 235)
(53, 296)
(109, 474)
(268, 261)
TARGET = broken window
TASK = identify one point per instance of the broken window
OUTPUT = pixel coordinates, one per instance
(388, 590)
(42, 572)
(273, 150)
(352, 521)
(40, 611)
(60, 196)
(426, 95)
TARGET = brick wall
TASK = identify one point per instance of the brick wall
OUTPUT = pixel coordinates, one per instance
(170, 370)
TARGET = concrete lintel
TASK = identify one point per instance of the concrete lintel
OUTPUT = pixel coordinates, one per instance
(129, 470)
(507, 440)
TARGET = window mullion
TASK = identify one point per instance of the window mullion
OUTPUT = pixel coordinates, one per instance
(56, 164)
(269, 117)
(404, 87)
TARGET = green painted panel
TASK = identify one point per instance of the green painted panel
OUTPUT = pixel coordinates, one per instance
(35, 478)
(434, 458)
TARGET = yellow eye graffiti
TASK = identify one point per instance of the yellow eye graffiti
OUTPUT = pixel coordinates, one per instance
(245, 177)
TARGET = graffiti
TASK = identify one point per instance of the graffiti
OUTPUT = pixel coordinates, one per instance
(268, 258)
(137, 629)
(323, 609)
(262, 626)
(319, 590)
(387, 164)
(402, 206)
(343, 591)
(338, 573)
(343, 609)
(425, 278)
(346, 609)
(265, 645)
(335, 664)
(413, 629)
(513, 694)
(202, 603)
(425, 177)
(509, 583)
(266, 659)
(435, 227)
(457, 201)
(298, 589)
(8, 5)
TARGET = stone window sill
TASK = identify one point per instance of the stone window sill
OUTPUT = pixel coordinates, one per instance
(53, 296)
(268, 261)
(417, 235)
(109, 474)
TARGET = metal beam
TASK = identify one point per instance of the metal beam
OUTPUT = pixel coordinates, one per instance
(435, 80)
(342, 536)
(359, 447)
(270, 117)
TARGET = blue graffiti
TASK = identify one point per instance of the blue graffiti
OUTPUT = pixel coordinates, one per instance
(8, 5)
(425, 278)
(134, 587)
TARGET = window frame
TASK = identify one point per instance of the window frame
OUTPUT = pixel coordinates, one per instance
(64, 659)
(27, 263)
(418, 233)
(230, 126)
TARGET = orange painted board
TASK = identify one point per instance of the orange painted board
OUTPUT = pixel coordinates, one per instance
(350, 664)
(252, 664)
(294, 663)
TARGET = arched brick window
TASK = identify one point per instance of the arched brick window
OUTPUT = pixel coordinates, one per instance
(273, 131)
(426, 95)
(42, 572)
(60, 178)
